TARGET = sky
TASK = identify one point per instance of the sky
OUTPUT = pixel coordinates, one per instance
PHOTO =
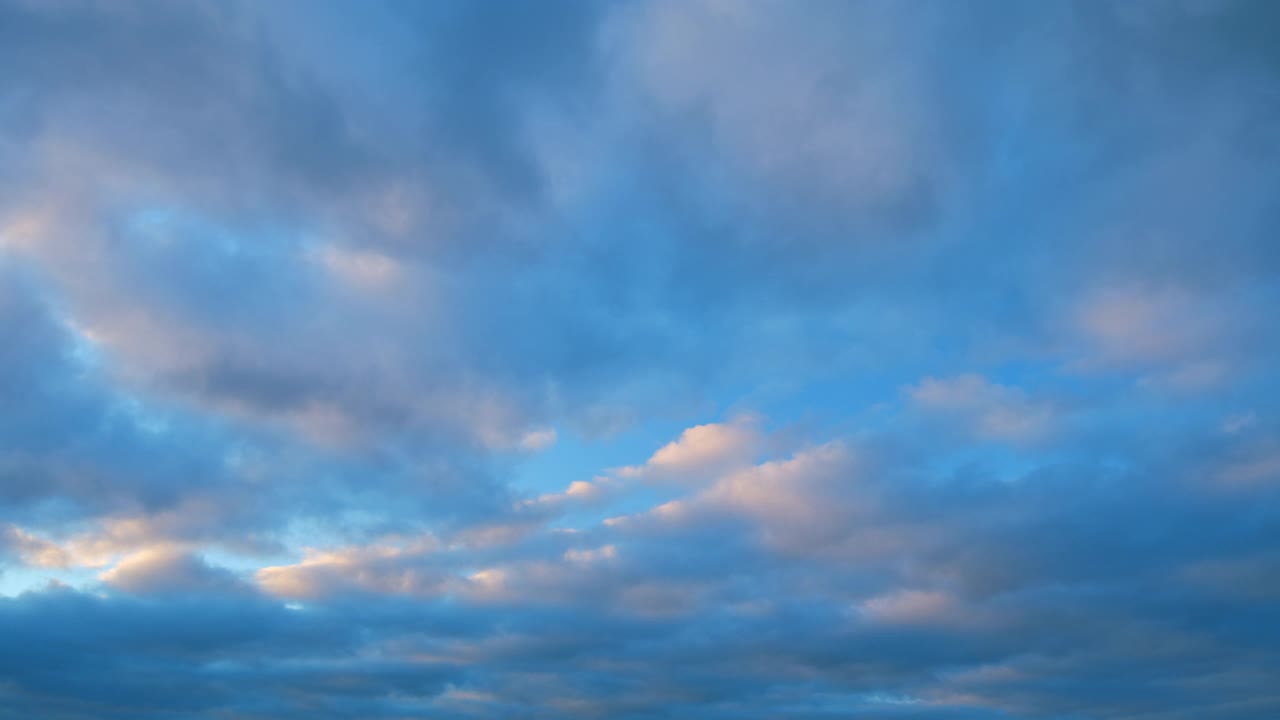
(649, 359)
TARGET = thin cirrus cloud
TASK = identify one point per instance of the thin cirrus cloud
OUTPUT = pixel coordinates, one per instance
(649, 360)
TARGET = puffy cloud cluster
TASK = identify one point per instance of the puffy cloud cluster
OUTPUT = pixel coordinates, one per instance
(651, 360)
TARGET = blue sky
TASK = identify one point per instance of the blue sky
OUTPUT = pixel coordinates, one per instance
(645, 359)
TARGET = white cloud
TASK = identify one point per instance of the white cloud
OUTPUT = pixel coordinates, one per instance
(856, 126)
(595, 490)
(1239, 423)
(703, 451)
(539, 439)
(34, 550)
(1179, 340)
(165, 568)
(391, 567)
(984, 409)
(1259, 468)
(798, 504)
(908, 607)
(364, 269)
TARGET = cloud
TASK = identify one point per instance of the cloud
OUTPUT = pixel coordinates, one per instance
(906, 606)
(591, 492)
(386, 569)
(32, 549)
(1138, 326)
(702, 451)
(856, 124)
(985, 410)
(361, 269)
(541, 439)
(167, 570)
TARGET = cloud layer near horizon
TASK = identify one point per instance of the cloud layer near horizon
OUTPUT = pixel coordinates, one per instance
(639, 360)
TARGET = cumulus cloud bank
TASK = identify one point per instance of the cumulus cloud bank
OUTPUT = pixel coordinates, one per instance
(643, 360)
